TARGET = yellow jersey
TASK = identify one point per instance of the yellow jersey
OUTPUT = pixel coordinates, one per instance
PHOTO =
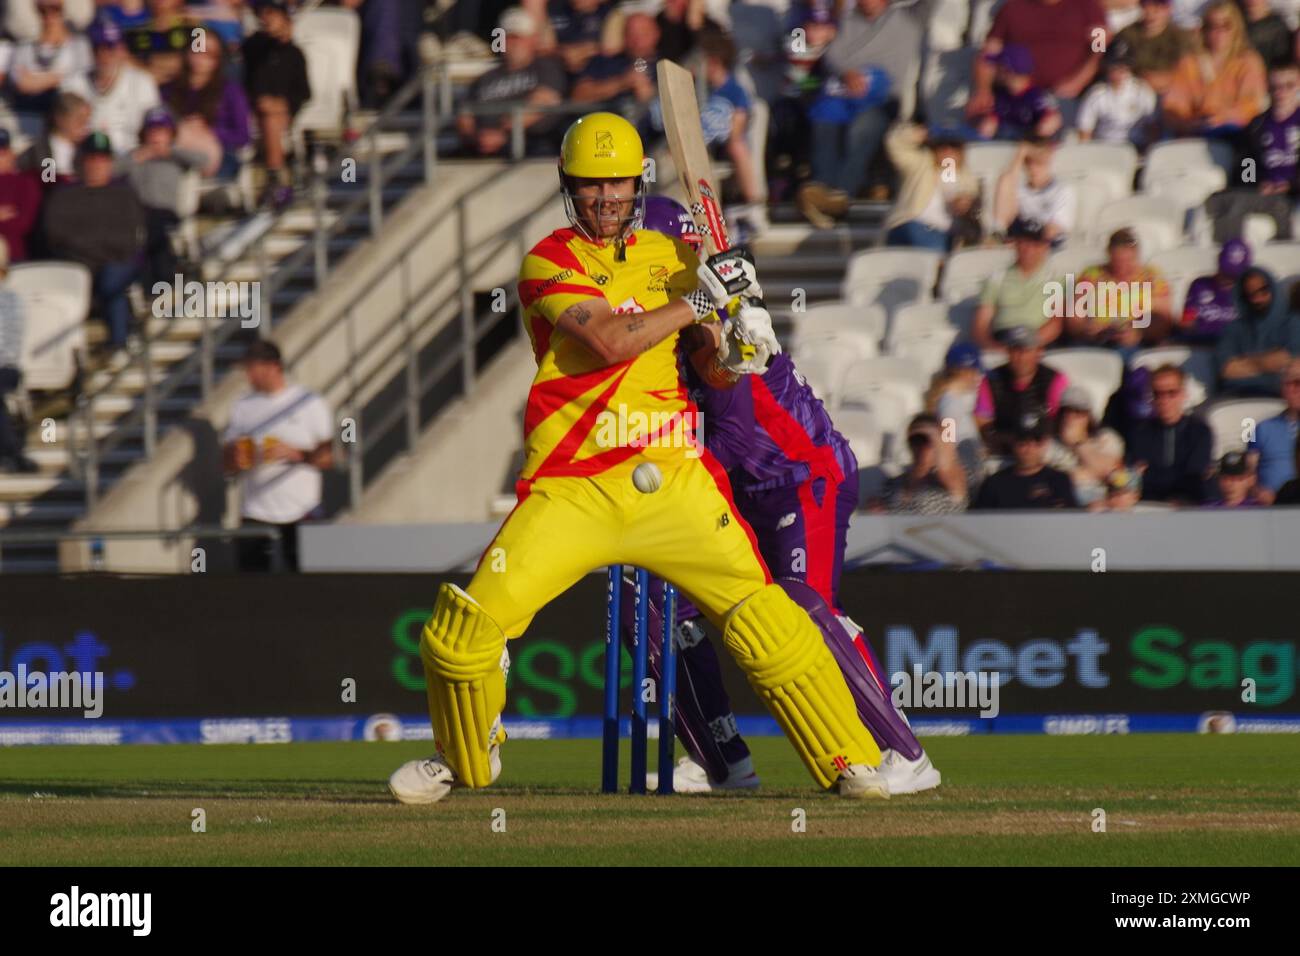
(584, 418)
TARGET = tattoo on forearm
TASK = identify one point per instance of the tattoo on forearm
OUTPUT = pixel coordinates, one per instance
(581, 315)
(636, 324)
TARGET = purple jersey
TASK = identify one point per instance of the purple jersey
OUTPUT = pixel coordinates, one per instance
(1023, 111)
(771, 430)
(1208, 309)
(1277, 147)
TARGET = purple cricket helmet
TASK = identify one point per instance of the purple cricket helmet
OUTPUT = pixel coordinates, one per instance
(670, 217)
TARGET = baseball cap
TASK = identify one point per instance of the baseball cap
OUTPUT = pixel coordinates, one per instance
(1124, 479)
(820, 12)
(1018, 337)
(1076, 397)
(96, 144)
(1120, 53)
(1234, 463)
(963, 355)
(104, 32)
(1234, 258)
(1015, 58)
(1023, 227)
(517, 21)
(1031, 426)
(157, 116)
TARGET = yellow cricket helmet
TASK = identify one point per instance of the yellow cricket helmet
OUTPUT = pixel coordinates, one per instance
(602, 146)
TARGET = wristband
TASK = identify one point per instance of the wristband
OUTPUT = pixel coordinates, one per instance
(701, 304)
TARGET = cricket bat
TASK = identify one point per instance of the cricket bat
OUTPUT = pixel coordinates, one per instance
(685, 132)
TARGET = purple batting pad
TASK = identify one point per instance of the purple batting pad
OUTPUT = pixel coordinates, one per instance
(875, 708)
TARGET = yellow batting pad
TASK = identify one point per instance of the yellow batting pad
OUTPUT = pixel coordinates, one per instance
(462, 651)
(789, 666)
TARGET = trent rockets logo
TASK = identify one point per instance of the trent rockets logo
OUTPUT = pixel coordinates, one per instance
(604, 143)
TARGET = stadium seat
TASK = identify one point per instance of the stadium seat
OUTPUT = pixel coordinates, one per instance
(1187, 187)
(864, 434)
(1176, 156)
(1097, 370)
(823, 365)
(930, 317)
(854, 343)
(992, 358)
(926, 347)
(330, 39)
(965, 272)
(829, 320)
(1288, 10)
(1282, 259)
(1180, 266)
(891, 277)
(1074, 257)
(865, 380)
(945, 30)
(1230, 418)
(57, 300)
(756, 134)
(1257, 229)
(981, 19)
(1198, 363)
(1157, 221)
(987, 161)
(1100, 173)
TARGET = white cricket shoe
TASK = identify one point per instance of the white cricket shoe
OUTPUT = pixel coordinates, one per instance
(860, 781)
(908, 776)
(690, 777)
(431, 779)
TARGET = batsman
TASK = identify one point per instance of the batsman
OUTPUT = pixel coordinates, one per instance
(605, 303)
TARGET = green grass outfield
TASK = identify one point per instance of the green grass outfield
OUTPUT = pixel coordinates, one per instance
(1169, 800)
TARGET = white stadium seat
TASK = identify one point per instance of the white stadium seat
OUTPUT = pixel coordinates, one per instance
(1180, 266)
(1231, 418)
(1074, 257)
(1187, 187)
(854, 344)
(987, 161)
(863, 432)
(1197, 362)
(1257, 229)
(330, 39)
(891, 277)
(1179, 155)
(1157, 221)
(56, 296)
(823, 364)
(981, 19)
(865, 380)
(945, 28)
(926, 347)
(965, 272)
(1097, 370)
(1100, 173)
(1282, 259)
(830, 318)
(930, 317)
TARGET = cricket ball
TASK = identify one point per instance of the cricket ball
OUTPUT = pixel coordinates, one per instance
(647, 477)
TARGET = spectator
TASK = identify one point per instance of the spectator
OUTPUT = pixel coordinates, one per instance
(119, 94)
(20, 202)
(867, 64)
(211, 109)
(1121, 304)
(1061, 36)
(1085, 452)
(1157, 46)
(275, 77)
(953, 396)
(279, 440)
(1211, 304)
(1123, 491)
(680, 23)
(1028, 189)
(158, 46)
(936, 203)
(53, 156)
(1275, 438)
(1289, 493)
(154, 169)
(522, 78)
(1266, 31)
(1024, 386)
(726, 114)
(1219, 88)
(99, 223)
(628, 76)
(578, 26)
(1171, 448)
(934, 482)
(127, 14)
(1252, 351)
(1020, 108)
(22, 17)
(389, 54)
(1022, 296)
(1123, 109)
(1273, 143)
(13, 325)
(1029, 482)
(40, 66)
(1232, 483)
